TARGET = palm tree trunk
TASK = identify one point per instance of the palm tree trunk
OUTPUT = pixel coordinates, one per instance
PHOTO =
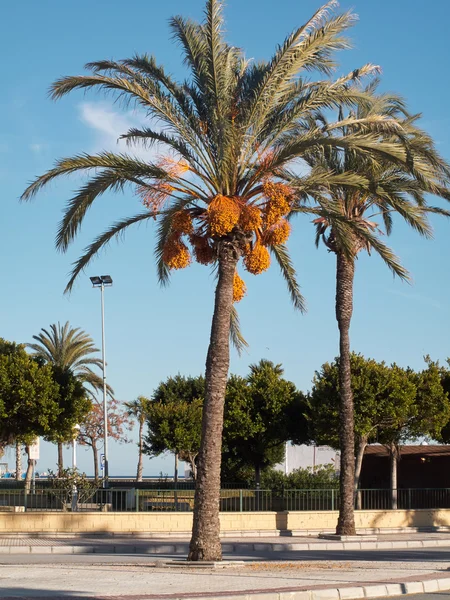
(358, 466)
(345, 272)
(205, 542)
(94, 450)
(140, 467)
(18, 461)
(60, 459)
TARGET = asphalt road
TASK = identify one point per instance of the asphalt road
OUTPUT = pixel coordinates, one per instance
(422, 555)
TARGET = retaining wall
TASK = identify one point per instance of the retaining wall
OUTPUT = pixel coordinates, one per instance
(232, 523)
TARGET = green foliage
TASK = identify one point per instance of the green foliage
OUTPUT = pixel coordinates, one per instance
(261, 412)
(28, 395)
(137, 408)
(74, 405)
(174, 418)
(391, 404)
(322, 477)
(62, 486)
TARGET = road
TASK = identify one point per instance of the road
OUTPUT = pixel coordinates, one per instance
(438, 556)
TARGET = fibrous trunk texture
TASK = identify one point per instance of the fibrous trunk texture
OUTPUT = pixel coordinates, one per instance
(205, 542)
(60, 460)
(344, 307)
(140, 466)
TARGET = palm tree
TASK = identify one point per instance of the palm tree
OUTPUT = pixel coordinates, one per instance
(71, 352)
(230, 135)
(346, 225)
(138, 410)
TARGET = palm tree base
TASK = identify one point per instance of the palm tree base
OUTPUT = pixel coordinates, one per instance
(346, 528)
(208, 552)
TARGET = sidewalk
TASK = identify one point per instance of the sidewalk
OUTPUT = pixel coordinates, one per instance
(254, 581)
(134, 568)
(106, 544)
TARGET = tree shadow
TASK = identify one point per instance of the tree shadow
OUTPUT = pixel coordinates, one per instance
(422, 521)
(23, 593)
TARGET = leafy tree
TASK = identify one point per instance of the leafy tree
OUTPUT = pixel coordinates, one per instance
(74, 405)
(258, 416)
(427, 416)
(137, 409)
(231, 132)
(382, 395)
(28, 395)
(72, 353)
(346, 225)
(92, 428)
(174, 417)
(391, 405)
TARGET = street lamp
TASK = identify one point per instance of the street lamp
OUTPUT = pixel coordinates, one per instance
(101, 282)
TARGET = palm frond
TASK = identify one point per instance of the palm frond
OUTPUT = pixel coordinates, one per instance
(236, 337)
(101, 241)
(288, 271)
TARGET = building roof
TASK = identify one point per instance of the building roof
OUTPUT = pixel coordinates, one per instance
(426, 450)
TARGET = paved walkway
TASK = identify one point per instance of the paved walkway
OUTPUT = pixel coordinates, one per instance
(103, 568)
(254, 581)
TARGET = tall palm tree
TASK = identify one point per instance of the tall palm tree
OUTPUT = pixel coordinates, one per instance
(347, 223)
(138, 410)
(70, 351)
(230, 135)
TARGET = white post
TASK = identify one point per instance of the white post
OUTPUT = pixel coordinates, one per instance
(286, 466)
(74, 466)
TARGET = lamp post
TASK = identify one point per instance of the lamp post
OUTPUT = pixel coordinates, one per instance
(101, 282)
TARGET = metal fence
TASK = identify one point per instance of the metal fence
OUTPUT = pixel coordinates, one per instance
(123, 500)
(231, 500)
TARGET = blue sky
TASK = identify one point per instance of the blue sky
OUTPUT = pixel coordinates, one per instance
(154, 332)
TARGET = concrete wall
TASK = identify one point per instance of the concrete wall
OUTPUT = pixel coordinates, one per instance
(258, 523)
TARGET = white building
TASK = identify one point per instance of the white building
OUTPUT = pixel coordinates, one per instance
(302, 457)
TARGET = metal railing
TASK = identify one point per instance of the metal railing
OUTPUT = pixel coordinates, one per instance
(123, 500)
(231, 500)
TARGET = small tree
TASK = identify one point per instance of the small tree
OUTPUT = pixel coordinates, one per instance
(74, 406)
(391, 405)
(175, 426)
(174, 419)
(137, 409)
(258, 417)
(427, 415)
(72, 353)
(92, 428)
(64, 484)
(383, 396)
(28, 395)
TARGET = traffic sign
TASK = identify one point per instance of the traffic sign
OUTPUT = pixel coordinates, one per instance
(34, 450)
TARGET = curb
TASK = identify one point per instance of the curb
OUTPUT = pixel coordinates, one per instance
(181, 548)
(344, 593)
